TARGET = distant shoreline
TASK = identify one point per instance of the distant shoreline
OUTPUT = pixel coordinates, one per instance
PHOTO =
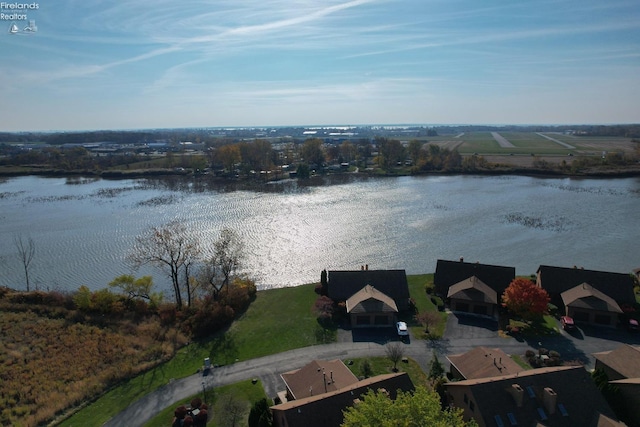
(610, 172)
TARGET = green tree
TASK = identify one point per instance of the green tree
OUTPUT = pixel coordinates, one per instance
(414, 149)
(418, 408)
(132, 287)
(82, 298)
(260, 414)
(303, 171)
(390, 152)
(312, 152)
(436, 370)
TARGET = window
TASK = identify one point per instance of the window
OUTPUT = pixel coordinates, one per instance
(471, 405)
(512, 419)
(530, 392)
(563, 410)
(542, 414)
(499, 422)
(466, 399)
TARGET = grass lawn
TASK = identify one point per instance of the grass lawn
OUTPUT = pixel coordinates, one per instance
(245, 393)
(262, 330)
(417, 290)
(542, 327)
(382, 365)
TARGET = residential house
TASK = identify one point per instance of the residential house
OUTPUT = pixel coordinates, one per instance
(370, 307)
(342, 284)
(588, 291)
(622, 368)
(551, 397)
(584, 303)
(317, 377)
(482, 362)
(312, 406)
(472, 287)
(472, 295)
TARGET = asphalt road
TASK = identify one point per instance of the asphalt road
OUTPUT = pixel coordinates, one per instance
(462, 333)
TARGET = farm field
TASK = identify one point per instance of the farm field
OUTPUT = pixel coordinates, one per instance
(531, 145)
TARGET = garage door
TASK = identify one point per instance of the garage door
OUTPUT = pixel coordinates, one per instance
(462, 306)
(480, 309)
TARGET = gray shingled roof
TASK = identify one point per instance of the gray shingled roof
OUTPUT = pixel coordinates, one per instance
(341, 285)
(556, 280)
(448, 273)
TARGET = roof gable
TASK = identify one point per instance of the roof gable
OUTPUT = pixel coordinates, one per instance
(370, 300)
(482, 362)
(341, 285)
(557, 280)
(587, 297)
(465, 290)
(448, 273)
(317, 377)
(625, 360)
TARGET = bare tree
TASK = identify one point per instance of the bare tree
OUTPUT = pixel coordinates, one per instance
(228, 252)
(26, 252)
(171, 248)
(395, 352)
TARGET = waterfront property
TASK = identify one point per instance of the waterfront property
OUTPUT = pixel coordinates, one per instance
(342, 285)
(588, 296)
(472, 287)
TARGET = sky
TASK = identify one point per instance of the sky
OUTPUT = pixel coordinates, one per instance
(140, 64)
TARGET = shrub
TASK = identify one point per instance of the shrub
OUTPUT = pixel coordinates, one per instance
(529, 354)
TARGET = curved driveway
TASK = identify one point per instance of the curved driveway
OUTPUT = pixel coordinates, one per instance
(462, 334)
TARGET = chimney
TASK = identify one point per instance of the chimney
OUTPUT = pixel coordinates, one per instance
(549, 399)
(461, 259)
(366, 266)
(362, 267)
(518, 394)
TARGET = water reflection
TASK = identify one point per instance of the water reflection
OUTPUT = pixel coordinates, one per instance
(294, 229)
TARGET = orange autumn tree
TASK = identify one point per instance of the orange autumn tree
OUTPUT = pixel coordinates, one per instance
(523, 298)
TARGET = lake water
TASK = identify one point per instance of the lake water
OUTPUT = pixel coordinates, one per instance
(84, 228)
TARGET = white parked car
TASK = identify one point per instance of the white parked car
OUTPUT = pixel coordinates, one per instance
(402, 329)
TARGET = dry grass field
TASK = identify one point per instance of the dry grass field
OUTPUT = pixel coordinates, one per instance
(53, 358)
